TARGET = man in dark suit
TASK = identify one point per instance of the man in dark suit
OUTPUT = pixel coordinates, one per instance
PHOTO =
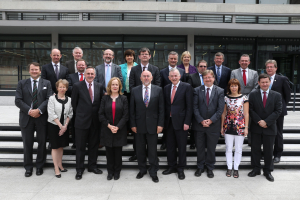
(135, 79)
(54, 71)
(147, 120)
(164, 76)
(265, 108)
(72, 64)
(86, 98)
(279, 84)
(208, 108)
(32, 98)
(106, 71)
(221, 72)
(178, 116)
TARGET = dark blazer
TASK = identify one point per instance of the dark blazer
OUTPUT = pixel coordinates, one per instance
(146, 119)
(182, 106)
(100, 73)
(48, 73)
(70, 64)
(72, 79)
(108, 138)
(135, 76)
(164, 76)
(23, 100)
(85, 110)
(269, 114)
(195, 81)
(213, 111)
(225, 77)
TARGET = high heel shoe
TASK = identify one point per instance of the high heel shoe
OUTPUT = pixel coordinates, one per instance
(58, 176)
(64, 170)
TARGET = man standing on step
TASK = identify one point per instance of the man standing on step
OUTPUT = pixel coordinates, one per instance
(32, 97)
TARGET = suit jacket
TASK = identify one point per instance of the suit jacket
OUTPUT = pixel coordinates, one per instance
(107, 138)
(225, 77)
(135, 76)
(269, 113)
(195, 81)
(71, 66)
(23, 100)
(182, 107)
(252, 80)
(213, 111)
(100, 73)
(86, 111)
(124, 74)
(146, 119)
(48, 73)
(164, 76)
(72, 79)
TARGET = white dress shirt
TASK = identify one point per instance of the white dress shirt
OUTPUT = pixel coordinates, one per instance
(246, 72)
(110, 64)
(146, 69)
(262, 94)
(272, 79)
(149, 91)
(75, 62)
(216, 67)
(58, 65)
(211, 87)
(173, 87)
(37, 83)
(171, 68)
(88, 86)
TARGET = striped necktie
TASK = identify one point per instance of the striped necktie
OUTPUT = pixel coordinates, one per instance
(34, 96)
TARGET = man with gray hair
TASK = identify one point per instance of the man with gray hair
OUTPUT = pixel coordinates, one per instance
(71, 64)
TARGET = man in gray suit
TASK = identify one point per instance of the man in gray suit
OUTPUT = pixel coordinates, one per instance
(32, 98)
(208, 108)
(106, 71)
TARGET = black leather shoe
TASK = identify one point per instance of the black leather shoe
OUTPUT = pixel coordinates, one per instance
(95, 171)
(210, 173)
(133, 158)
(73, 146)
(169, 171)
(269, 177)
(192, 146)
(49, 146)
(163, 146)
(110, 177)
(39, 171)
(140, 175)
(116, 176)
(276, 160)
(28, 173)
(155, 179)
(78, 175)
(181, 175)
(199, 172)
(58, 176)
(253, 173)
(64, 170)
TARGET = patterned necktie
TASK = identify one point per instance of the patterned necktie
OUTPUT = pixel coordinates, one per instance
(173, 93)
(207, 95)
(56, 71)
(218, 74)
(244, 77)
(91, 92)
(34, 96)
(81, 77)
(270, 83)
(108, 75)
(265, 99)
(146, 97)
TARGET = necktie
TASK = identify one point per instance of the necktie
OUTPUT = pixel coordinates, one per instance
(56, 71)
(34, 96)
(146, 97)
(108, 75)
(244, 77)
(270, 83)
(144, 68)
(201, 79)
(265, 99)
(81, 77)
(173, 93)
(91, 92)
(207, 96)
(218, 74)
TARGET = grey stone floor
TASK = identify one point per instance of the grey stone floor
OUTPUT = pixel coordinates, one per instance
(13, 185)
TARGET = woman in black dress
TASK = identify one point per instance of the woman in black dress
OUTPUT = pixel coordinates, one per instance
(113, 115)
(59, 114)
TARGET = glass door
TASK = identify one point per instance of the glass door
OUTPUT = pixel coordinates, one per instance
(284, 64)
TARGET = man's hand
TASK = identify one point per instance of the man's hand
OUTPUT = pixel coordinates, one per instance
(114, 129)
(208, 122)
(133, 129)
(186, 127)
(34, 113)
(205, 123)
(263, 124)
(159, 129)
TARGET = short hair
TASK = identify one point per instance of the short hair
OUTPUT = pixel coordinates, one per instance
(35, 64)
(271, 62)
(108, 88)
(77, 48)
(129, 52)
(80, 60)
(174, 70)
(113, 53)
(90, 67)
(202, 61)
(186, 53)
(172, 53)
(233, 81)
(219, 54)
(208, 71)
(144, 49)
(245, 55)
(261, 76)
(62, 81)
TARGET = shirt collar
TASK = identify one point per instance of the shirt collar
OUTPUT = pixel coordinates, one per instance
(245, 69)
(211, 87)
(145, 65)
(272, 77)
(31, 79)
(58, 64)
(149, 86)
(108, 64)
(176, 84)
(220, 66)
(80, 73)
(261, 91)
(88, 84)
(172, 68)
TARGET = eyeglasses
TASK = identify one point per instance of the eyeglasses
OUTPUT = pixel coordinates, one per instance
(144, 54)
(202, 66)
(210, 77)
(108, 54)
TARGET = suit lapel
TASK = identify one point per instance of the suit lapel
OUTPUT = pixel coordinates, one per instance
(96, 91)
(275, 81)
(270, 96)
(260, 99)
(202, 95)
(28, 85)
(177, 91)
(198, 80)
(40, 86)
(113, 68)
(240, 78)
(250, 75)
(212, 94)
(86, 91)
(53, 72)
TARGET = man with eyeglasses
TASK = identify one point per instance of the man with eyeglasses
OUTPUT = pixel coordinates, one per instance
(108, 69)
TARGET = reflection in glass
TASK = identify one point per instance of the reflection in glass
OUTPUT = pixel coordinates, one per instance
(274, 1)
(170, 46)
(273, 20)
(108, 45)
(9, 44)
(149, 45)
(76, 44)
(271, 47)
(240, 47)
(36, 44)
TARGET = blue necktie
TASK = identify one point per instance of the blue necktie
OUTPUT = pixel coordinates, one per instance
(270, 83)
(218, 74)
(202, 83)
(108, 75)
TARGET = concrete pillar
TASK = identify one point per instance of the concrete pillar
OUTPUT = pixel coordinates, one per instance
(233, 18)
(80, 16)
(3, 15)
(190, 47)
(54, 39)
(157, 17)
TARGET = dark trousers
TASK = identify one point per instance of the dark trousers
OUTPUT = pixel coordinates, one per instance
(151, 140)
(90, 136)
(211, 142)
(192, 137)
(34, 124)
(278, 147)
(268, 142)
(72, 128)
(114, 159)
(176, 139)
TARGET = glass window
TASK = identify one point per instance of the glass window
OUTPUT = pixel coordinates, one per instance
(9, 44)
(107, 45)
(170, 46)
(274, 1)
(271, 47)
(75, 44)
(273, 20)
(241, 2)
(201, 56)
(37, 45)
(293, 48)
(294, 1)
(209, 1)
(210, 47)
(240, 47)
(149, 45)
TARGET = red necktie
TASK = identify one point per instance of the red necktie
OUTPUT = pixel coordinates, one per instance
(173, 93)
(207, 96)
(244, 77)
(91, 92)
(81, 77)
(265, 99)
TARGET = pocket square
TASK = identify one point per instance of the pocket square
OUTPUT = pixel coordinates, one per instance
(44, 88)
